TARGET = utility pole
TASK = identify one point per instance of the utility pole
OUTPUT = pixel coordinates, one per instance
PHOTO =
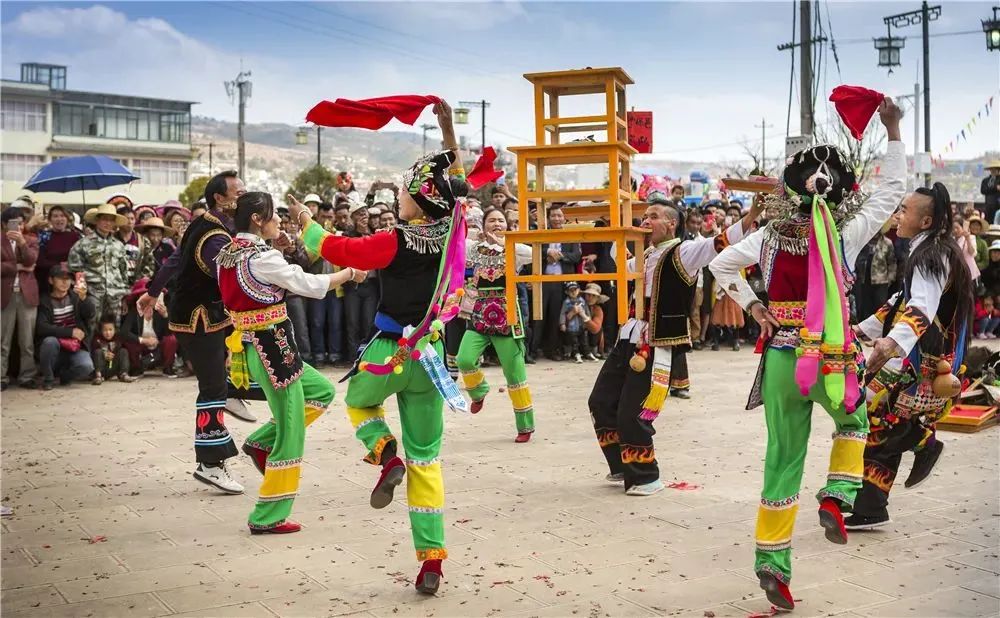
(211, 168)
(806, 113)
(242, 87)
(319, 134)
(923, 17)
(763, 126)
(426, 128)
(915, 97)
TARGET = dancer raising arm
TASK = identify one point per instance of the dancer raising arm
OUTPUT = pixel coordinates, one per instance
(409, 258)
(810, 354)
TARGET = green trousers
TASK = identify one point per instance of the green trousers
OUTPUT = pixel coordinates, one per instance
(789, 421)
(293, 408)
(421, 414)
(511, 354)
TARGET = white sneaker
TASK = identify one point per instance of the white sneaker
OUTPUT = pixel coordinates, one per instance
(237, 408)
(219, 478)
(578, 359)
(645, 490)
(591, 357)
(615, 479)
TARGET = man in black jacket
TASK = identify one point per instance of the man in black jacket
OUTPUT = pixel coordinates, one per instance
(62, 330)
(558, 259)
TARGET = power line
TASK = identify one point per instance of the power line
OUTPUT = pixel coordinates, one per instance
(833, 42)
(857, 41)
(791, 78)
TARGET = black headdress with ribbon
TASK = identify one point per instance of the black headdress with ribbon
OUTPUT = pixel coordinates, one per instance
(428, 184)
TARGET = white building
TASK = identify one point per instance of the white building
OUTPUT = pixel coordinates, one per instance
(40, 121)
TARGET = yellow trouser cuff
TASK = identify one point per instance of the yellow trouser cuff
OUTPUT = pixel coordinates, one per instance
(360, 415)
(775, 524)
(472, 379)
(424, 485)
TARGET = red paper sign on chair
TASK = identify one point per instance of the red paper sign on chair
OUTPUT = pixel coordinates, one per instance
(640, 131)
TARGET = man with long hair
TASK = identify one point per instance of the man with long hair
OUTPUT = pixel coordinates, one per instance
(919, 337)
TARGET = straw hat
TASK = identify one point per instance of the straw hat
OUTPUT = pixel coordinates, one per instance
(994, 164)
(104, 209)
(156, 223)
(595, 290)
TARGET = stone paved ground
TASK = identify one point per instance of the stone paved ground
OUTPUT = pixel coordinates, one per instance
(532, 529)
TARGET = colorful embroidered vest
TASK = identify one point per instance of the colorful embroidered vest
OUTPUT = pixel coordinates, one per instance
(259, 315)
(489, 310)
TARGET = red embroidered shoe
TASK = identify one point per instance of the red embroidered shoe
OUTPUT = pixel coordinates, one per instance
(523, 436)
(477, 406)
(257, 455)
(392, 475)
(429, 578)
(777, 592)
(832, 521)
(286, 527)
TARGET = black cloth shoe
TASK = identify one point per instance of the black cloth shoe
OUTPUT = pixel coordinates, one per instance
(529, 360)
(680, 393)
(866, 522)
(923, 463)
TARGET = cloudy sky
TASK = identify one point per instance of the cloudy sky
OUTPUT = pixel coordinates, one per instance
(708, 70)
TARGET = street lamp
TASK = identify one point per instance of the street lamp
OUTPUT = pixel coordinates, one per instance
(302, 138)
(465, 105)
(888, 49)
(992, 29)
(461, 115)
(921, 18)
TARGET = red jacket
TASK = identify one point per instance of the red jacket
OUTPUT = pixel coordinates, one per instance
(9, 260)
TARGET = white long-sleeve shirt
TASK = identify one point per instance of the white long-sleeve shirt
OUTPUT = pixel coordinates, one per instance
(855, 234)
(695, 254)
(270, 267)
(925, 297)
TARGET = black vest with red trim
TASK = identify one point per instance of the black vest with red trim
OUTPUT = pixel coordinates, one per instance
(670, 301)
(195, 302)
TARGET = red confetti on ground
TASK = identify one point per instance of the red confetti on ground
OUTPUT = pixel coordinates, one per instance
(97, 539)
(774, 611)
(683, 486)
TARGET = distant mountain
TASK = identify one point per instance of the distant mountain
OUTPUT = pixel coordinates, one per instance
(375, 150)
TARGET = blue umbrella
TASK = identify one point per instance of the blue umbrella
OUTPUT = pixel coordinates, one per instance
(79, 174)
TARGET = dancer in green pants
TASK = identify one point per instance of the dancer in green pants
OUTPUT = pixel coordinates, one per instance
(253, 278)
(488, 325)
(420, 406)
(820, 221)
(788, 415)
(417, 262)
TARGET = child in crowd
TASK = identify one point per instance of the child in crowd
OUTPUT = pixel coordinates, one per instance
(987, 318)
(594, 326)
(110, 357)
(574, 313)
